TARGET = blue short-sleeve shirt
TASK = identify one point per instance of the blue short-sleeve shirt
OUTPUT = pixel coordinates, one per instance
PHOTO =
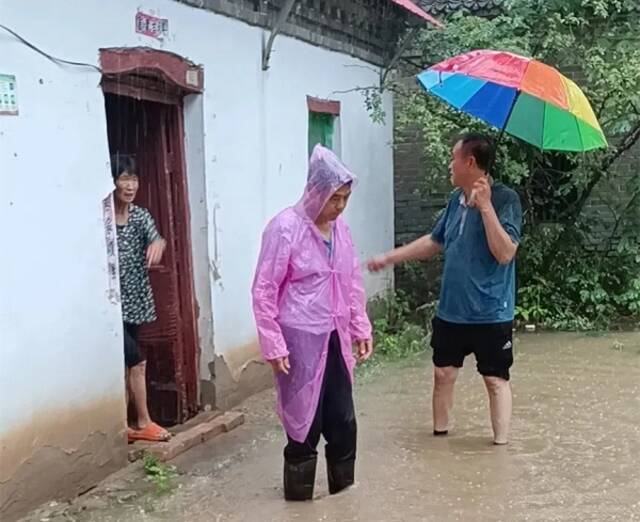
(476, 289)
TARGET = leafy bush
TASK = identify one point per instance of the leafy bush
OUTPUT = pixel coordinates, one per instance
(400, 330)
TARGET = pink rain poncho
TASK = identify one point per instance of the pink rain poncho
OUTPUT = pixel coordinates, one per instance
(303, 291)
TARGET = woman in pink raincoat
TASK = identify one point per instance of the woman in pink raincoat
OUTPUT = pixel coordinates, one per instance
(309, 304)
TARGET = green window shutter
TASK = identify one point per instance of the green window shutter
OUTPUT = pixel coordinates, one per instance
(320, 130)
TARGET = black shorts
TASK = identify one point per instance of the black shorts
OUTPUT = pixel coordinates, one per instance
(492, 344)
(132, 353)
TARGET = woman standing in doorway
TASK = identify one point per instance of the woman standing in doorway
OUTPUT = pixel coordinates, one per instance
(139, 247)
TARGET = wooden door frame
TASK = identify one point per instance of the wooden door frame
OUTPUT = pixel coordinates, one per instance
(138, 71)
(159, 76)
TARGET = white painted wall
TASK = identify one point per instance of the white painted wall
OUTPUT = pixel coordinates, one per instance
(60, 337)
(53, 289)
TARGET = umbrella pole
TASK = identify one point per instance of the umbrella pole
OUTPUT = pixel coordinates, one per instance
(506, 122)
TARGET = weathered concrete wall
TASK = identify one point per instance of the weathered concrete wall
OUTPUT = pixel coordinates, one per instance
(59, 453)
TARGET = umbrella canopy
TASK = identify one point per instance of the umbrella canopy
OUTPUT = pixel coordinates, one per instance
(520, 96)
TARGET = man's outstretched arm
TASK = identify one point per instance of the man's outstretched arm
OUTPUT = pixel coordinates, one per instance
(419, 250)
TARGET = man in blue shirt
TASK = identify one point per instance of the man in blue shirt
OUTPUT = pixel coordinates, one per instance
(479, 233)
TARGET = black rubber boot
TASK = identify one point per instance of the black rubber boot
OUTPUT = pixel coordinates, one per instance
(341, 475)
(299, 479)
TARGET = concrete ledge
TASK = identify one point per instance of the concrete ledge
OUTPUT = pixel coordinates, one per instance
(188, 438)
(230, 391)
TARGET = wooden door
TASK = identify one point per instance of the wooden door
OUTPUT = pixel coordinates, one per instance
(154, 133)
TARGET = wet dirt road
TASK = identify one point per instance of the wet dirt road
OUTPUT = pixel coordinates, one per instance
(574, 453)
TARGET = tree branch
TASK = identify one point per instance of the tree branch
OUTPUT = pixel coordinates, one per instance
(602, 105)
(358, 89)
(409, 37)
(410, 61)
(630, 139)
(619, 219)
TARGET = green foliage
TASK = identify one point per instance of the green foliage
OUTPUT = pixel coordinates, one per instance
(161, 474)
(589, 292)
(574, 272)
(400, 331)
(374, 105)
(411, 339)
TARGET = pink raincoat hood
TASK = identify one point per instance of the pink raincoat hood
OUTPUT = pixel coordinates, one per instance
(326, 175)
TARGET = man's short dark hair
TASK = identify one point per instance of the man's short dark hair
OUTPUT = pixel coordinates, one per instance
(480, 147)
(121, 163)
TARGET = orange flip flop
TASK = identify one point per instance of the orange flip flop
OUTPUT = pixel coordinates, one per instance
(151, 433)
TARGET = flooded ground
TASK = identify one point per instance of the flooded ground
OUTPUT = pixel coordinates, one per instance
(574, 453)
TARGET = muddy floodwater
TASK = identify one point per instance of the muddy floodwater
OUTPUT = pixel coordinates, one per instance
(574, 453)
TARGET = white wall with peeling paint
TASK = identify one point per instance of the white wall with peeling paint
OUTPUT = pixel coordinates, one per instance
(61, 338)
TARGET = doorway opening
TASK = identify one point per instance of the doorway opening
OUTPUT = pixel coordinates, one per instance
(144, 109)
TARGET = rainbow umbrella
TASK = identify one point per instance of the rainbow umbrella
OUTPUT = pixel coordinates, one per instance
(520, 96)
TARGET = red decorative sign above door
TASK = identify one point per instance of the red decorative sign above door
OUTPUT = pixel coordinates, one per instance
(152, 26)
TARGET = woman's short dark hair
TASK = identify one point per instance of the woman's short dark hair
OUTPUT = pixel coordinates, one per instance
(121, 163)
(480, 147)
